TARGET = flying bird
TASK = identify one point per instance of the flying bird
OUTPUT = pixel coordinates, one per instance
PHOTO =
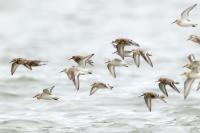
(194, 38)
(191, 77)
(25, 62)
(99, 85)
(82, 61)
(111, 64)
(148, 96)
(46, 94)
(120, 43)
(163, 82)
(193, 65)
(184, 21)
(74, 73)
(137, 53)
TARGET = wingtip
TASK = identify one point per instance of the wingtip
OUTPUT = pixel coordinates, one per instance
(185, 97)
(149, 110)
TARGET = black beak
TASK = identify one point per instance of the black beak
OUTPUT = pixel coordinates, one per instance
(11, 61)
(173, 22)
(70, 58)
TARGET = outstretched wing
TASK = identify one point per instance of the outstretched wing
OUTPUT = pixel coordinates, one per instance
(198, 87)
(163, 89)
(111, 69)
(134, 43)
(185, 13)
(76, 81)
(87, 60)
(187, 86)
(46, 91)
(27, 66)
(93, 90)
(36, 95)
(174, 87)
(51, 89)
(149, 59)
(147, 100)
(120, 50)
(136, 58)
(14, 68)
(146, 57)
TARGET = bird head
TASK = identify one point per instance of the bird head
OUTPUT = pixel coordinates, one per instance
(187, 66)
(14, 60)
(73, 57)
(109, 86)
(159, 79)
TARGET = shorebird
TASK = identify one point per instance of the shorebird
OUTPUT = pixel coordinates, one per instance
(136, 53)
(99, 85)
(82, 61)
(148, 96)
(46, 94)
(73, 74)
(193, 64)
(120, 43)
(194, 38)
(163, 82)
(141, 52)
(191, 76)
(111, 64)
(27, 63)
(184, 21)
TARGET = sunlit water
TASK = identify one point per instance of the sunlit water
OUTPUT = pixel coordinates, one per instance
(54, 30)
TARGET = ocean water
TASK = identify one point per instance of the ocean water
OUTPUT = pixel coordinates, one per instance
(54, 30)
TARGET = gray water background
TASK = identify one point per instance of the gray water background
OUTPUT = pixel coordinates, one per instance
(54, 30)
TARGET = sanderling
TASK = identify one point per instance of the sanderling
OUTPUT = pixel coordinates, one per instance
(193, 64)
(27, 63)
(194, 38)
(82, 61)
(73, 74)
(141, 52)
(99, 85)
(46, 94)
(148, 96)
(191, 76)
(185, 21)
(163, 82)
(111, 64)
(120, 43)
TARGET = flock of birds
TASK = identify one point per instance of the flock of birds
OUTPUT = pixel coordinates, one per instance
(136, 52)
